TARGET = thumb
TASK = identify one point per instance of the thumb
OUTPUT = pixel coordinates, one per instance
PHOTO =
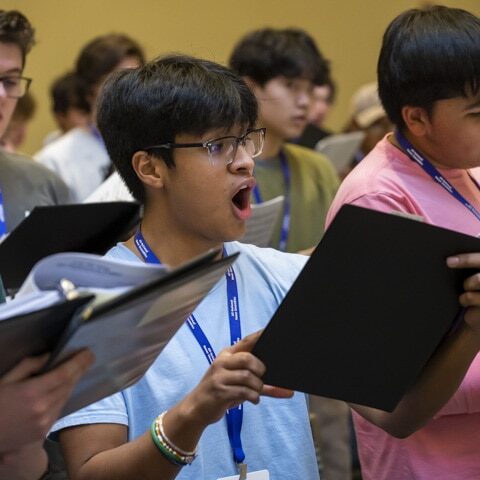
(246, 344)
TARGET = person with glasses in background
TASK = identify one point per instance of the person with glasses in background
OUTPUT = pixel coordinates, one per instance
(183, 134)
(282, 68)
(29, 403)
(23, 183)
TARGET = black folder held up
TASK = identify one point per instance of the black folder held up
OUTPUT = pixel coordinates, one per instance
(89, 228)
(369, 309)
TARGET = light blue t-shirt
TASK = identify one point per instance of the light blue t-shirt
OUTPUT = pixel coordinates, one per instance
(276, 433)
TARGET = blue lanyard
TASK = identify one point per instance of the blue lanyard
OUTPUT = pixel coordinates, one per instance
(418, 158)
(286, 205)
(3, 223)
(234, 415)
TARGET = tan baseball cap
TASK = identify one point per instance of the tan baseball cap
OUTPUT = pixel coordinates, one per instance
(366, 107)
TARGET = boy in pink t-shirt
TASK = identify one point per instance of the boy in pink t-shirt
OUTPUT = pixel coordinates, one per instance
(429, 84)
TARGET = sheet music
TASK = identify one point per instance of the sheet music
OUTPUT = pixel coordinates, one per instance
(340, 148)
(88, 270)
(103, 276)
(261, 224)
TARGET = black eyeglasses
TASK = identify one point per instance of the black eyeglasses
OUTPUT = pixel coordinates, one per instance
(15, 86)
(224, 149)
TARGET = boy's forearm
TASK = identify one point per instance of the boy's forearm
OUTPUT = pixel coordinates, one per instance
(139, 458)
(130, 461)
(436, 385)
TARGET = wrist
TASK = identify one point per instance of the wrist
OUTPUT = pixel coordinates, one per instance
(173, 453)
(188, 415)
(469, 337)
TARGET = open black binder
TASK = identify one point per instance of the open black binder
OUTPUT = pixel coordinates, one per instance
(89, 228)
(370, 307)
(126, 333)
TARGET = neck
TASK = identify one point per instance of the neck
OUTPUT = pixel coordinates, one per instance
(170, 246)
(271, 147)
(419, 145)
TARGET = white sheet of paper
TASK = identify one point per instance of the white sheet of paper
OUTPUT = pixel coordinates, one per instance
(258, 475)
(260, 226)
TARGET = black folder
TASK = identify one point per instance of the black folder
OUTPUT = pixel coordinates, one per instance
(126, 333)
(88, 228)
(368, 310)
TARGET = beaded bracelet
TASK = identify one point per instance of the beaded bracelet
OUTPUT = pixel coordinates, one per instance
(169, 450)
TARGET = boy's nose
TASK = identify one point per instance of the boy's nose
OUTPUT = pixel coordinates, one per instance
(242, 161)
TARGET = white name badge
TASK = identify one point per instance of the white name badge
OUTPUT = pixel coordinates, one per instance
(259, 475)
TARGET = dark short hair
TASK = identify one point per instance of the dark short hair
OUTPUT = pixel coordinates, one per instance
(268, 53)
(167, 97)
(16, 29)
(100, 57)
(428, 55)
(65, 95)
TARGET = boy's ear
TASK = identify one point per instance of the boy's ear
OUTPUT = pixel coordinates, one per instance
(149, 169)
(416, 119)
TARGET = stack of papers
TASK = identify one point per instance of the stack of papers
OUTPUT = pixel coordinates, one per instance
(124, 312)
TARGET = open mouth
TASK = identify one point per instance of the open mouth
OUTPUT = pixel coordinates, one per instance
(241, 202)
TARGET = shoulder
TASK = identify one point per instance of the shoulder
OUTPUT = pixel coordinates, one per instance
(111, 409)
(15, 161)
(303, 154)
(274, 266)
(77, 140)
(311, 162)
(111, 190)
(380, 181)
(18, 164)
(64, 141)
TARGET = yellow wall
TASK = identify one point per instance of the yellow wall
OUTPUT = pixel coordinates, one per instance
(348, 32)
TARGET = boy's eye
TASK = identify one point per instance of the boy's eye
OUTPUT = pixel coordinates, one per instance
(219, 148)
(11, 81)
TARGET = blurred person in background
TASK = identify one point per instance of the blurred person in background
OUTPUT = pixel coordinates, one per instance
(68, 108)
(323, 99)
(79, 157)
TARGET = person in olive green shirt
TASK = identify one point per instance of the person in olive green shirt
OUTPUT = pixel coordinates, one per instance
(282, 68)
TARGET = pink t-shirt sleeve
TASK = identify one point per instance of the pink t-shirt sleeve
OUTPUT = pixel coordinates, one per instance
(382, 202)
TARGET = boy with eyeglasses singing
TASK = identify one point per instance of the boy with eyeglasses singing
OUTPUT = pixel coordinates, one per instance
(23, 183)
(181, 132)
